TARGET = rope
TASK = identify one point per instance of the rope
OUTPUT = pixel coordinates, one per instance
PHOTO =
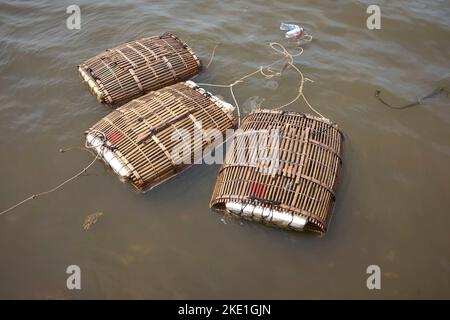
(268, 72)
(77, 148)
(217, 43)
(34, 196)
(212, 55)
(435, 92)
(40, 194)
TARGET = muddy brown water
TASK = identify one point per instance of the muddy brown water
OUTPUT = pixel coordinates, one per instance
(393, 205)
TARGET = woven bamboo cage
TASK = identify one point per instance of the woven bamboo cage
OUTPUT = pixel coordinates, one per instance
(293, 185)
(135, 68)
(137, 139)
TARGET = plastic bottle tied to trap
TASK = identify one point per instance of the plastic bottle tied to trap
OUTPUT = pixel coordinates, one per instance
(137, 139)
(133, 69)
(292, 30)
(282, 170)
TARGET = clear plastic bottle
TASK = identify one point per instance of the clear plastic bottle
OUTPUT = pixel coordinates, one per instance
(293, 30)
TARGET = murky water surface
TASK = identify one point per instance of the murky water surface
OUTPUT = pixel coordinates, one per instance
(393, 205)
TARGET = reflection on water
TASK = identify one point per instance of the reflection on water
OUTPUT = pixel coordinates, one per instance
(392, 205)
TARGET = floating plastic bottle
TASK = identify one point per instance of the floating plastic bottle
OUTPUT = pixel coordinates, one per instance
(293, 30)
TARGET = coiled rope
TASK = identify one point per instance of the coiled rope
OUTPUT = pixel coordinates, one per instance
(269, 72)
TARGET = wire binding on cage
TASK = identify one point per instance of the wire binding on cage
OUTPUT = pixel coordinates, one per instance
(264, 201)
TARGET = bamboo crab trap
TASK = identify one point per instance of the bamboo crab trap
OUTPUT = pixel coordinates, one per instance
(133, 69)
(136, 140)
(293, 185)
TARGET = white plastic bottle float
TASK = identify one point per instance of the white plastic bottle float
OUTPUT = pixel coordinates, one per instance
(292, 30)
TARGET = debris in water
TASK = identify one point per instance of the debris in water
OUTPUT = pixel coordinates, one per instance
(91, 219)
(435, 92)
(293, 30)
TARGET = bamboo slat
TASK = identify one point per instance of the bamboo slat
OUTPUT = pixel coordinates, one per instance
(133, 69)
(299, 191)
(137, 138)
